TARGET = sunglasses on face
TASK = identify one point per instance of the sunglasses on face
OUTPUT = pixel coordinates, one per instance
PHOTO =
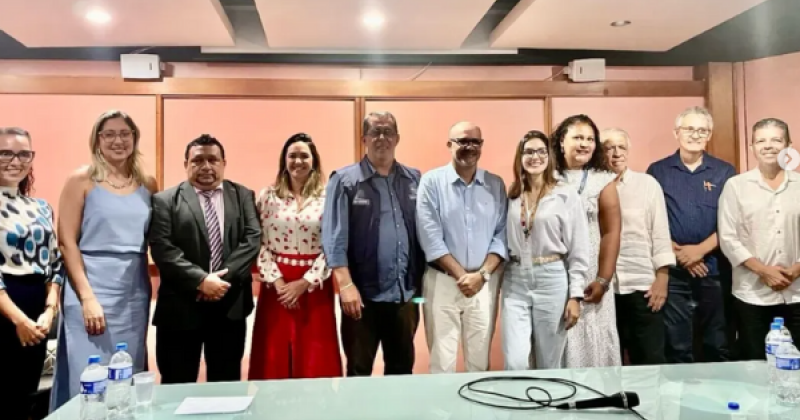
(465, 142)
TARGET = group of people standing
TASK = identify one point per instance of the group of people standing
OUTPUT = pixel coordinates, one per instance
(575, 222)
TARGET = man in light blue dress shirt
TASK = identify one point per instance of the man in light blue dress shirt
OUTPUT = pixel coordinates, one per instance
(461, 222)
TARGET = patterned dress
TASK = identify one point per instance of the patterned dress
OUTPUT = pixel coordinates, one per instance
(594, 341)
(302, 342)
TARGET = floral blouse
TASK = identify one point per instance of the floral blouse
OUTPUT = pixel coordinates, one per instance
(289, 231)
(28, 243)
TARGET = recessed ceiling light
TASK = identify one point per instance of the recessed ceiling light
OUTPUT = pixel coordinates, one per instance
(373, 20)
(620, 23)
(98, 16)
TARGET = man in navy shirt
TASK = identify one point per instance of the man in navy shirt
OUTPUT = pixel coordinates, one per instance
(692, 181)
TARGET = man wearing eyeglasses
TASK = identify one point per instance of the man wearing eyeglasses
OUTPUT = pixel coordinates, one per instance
(369, 238)
(461, 217)
(692, 181)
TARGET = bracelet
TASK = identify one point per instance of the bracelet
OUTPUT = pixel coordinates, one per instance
(346, 286)
(603, 282)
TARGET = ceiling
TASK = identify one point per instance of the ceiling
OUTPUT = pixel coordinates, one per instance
(553, 32)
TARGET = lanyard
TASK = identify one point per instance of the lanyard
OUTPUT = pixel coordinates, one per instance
(583, 181)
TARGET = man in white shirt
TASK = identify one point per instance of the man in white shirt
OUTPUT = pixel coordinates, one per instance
(759, 233)
(644, 258)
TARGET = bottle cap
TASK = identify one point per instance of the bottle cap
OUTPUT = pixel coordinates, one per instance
(733, 405)
(122, 346)
(778, 320)
(94, 359)
(774, 326)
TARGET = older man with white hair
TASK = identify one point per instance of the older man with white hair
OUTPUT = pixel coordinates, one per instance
(645, 256)
(692, 181)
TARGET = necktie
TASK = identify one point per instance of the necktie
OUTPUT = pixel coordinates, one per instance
(214, 234)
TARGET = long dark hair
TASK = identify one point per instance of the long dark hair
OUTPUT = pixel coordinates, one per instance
(315, 182)
(26, 185)
(521, 183)
(597, 162)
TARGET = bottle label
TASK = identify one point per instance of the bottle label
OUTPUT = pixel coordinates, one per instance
(120, 374)
(787, 363)
(772, 347)
(93, 388)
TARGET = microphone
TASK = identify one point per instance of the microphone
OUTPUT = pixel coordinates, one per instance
(624, 400)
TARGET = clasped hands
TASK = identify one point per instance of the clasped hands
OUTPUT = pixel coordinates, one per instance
(691, 258)
(289, 293)
(32, 333)
(777, 277)
(213, 288)
(470, 284)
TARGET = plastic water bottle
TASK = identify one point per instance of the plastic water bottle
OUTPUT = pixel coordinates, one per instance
(773, 341)
(120, 374)
(787, 361)
(787, 336)
(93, 390)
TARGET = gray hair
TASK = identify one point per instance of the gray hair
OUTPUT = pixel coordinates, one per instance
(378, 115)
(773, 122)
(695, 110)
(14, 131)
(615, 131)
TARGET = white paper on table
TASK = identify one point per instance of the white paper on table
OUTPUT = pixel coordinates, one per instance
(214, 405)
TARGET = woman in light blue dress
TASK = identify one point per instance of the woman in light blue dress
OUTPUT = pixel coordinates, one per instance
(104, 214)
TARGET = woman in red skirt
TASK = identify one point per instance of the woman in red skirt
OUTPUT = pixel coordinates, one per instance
(295, 334)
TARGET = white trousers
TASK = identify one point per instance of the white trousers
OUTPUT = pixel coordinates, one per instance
(534, 299)
(451, 317)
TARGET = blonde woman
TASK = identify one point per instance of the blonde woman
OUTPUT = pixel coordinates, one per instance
(104, 214)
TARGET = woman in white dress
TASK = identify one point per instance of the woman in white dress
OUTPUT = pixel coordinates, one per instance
(580, 163)
(549, 253)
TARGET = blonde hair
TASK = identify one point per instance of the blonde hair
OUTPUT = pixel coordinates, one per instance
(98, 167)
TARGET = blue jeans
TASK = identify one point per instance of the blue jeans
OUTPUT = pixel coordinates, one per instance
(694, 303)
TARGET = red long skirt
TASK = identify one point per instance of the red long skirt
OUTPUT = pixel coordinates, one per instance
(295, 343)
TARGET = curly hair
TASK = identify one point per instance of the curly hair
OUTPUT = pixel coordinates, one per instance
(597, 162)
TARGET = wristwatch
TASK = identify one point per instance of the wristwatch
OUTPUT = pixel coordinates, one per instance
(605, 283)
(485, 274)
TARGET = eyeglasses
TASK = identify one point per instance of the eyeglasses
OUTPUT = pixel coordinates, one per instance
(531, 152)
(690, 131)
(24, 156)
(110, 136)
(464, 142)
(378, 132)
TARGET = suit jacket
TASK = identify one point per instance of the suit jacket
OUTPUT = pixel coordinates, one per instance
(179, 246)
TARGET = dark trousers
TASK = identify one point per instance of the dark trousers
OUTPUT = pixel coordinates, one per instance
(755, 322)
(221, 339)
(22, 366)
(393, 326)
(694, 307)
(641, 331)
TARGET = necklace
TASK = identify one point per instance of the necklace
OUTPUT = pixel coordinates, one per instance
(125, 184)
(525, 214)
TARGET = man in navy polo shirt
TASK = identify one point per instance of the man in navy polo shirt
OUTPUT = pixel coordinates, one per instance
(692, 181)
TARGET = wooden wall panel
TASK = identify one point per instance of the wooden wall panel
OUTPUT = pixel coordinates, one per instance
(61, 125)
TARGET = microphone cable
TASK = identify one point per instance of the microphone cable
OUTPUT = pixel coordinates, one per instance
(534, 403)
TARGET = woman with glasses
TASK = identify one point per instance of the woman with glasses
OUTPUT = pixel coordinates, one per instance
(30, 276)
(581, 164)
(103, 222)
(549, 252)
(294, 335)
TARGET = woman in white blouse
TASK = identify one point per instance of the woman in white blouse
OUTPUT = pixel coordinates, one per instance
(548, 245)
(294, 335)
(759, 232)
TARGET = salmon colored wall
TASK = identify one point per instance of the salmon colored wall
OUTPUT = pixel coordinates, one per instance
(771, 89)
(253, 132)
(424, 128)
(649, 122)
(61, 125)
(279, 71)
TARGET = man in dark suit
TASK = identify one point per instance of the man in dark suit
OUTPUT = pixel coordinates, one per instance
(204, 237)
